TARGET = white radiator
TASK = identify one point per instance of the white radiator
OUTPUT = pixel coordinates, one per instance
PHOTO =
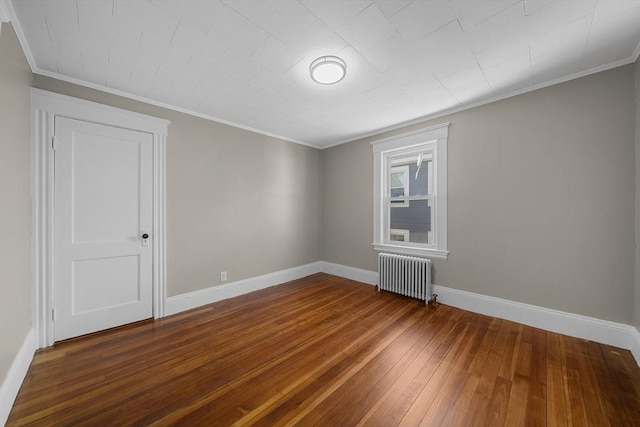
(405, 275)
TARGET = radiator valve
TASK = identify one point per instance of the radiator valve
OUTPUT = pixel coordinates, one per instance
(434, 300)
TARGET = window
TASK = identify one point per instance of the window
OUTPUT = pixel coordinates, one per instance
(411, 193)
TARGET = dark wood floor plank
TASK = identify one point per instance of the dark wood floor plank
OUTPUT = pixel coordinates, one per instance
(455, 367)
(198, 353)
(347, 390)
(479, 404)
(459, 409)
(324, 350)
(537, 398)
(619, 400)
(574, 379)
(446, 395)
(627, 385)
(434, 384)
(482, 352)
(368, 354)
(251, 363)
(517, 405)
(498, 403)
(397, 400)
(393, 311)
(511, 352)
(371, 382)
(486, 366)
(557, 408)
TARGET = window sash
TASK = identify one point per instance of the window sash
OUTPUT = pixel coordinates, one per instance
(431, 203)
(399, 161)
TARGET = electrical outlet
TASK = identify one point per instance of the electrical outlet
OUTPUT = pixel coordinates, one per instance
(223, 276)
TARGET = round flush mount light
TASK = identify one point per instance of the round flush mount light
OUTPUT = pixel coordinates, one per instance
(328, 70)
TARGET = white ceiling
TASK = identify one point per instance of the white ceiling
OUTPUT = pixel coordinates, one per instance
(246, 62)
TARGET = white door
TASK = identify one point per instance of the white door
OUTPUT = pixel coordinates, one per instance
(103, 212)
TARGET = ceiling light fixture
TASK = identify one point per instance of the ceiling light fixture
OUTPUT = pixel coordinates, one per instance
(328, 70)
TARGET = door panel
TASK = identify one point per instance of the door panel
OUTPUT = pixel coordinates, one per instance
(103, 205)
(106, 188)
(105, 282)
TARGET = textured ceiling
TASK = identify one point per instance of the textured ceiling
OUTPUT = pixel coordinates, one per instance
(246, 62)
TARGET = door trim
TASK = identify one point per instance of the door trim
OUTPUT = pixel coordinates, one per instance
(45, 106)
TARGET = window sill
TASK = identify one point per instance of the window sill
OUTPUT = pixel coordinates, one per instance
(411, 251)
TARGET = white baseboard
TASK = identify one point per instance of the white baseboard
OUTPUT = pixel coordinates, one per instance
(196, 299)
(18, 370)
(358, 274)
(635, 344)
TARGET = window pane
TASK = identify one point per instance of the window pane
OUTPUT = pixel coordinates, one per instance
(406, 171)
(419, 178)
(397, 192)
(397, 179)
(416, 219)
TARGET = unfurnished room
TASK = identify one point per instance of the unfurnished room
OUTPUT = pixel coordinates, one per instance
(320, 212)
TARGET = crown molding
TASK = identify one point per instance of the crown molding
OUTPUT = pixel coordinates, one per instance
(172, 107)
(8, 6)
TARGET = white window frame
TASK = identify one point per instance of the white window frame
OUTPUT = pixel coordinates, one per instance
(432, 139)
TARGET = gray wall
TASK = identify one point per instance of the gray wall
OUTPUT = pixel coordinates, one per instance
(637, 253)
(541, 198)
(347, 205)
(217, 217)
(15, 288)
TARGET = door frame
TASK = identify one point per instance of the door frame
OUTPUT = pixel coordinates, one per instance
(45, 106)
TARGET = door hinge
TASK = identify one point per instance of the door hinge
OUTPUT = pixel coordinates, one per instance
(54, 143)
(53, 314)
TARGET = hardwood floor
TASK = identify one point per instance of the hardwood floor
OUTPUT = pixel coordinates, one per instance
(329, 351)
